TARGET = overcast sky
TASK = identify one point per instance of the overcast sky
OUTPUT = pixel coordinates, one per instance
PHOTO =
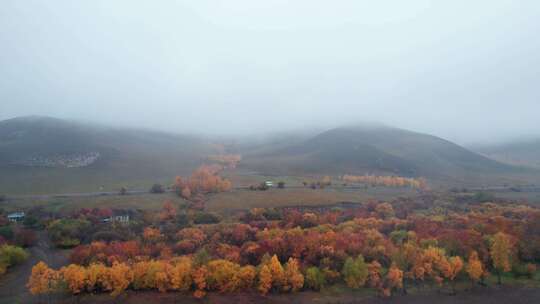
(463, 70)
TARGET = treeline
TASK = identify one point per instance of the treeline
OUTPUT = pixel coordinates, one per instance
(203, 180)
(389, 247)
(188, 273)
(387, 181)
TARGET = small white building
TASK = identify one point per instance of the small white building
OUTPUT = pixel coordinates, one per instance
(269, 184)
(124, 218)
(16, 216)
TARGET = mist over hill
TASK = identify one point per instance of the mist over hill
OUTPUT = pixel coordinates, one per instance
(43, 154)
(49, 155)
(377, 149)
(525, 153)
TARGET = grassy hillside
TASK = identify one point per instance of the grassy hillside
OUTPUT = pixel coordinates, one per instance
(382, 150)
(127, 157)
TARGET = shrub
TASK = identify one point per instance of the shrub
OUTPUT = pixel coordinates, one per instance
(6, 232)
(67, 233)
(10, 256)
(182, 220)
(25, 238)
(157, 188)
(2, 197)
(107, 236)
(272, 214)
(31, 222)
(281, 184)
(314, 278)
(355, 272)
(483, 197)
(123, 191)
(206, 218)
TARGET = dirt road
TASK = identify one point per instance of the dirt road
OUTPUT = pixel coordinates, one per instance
(13, 285)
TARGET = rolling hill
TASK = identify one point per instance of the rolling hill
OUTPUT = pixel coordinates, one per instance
(48, 155)
(41, 155)
(520, 153)
(381, 150)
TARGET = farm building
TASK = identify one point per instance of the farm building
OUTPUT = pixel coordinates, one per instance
(16, 216)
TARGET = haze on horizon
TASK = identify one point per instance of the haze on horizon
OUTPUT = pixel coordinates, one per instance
(467, 71)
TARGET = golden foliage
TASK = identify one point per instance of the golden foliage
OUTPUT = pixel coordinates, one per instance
(43, 280)
(293, 276)
(500, 251)
(75, 277)
(474, 268)
(387, 181)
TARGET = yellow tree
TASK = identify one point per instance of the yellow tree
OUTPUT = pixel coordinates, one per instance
(94, 275)
(247, 276)
(277, 271)
(43, 279)
(265, 279)
(355, 272)
(120, 278)
(500, 252)
(223, 275)
(474, 269)
(181, 276)
(75, 277)
(140, 272)
(295, 279)
(456, 265)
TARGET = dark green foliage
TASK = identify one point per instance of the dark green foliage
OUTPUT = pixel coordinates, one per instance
(398, 236)
(182, 220)
(355, 272)
(206, 218)
(10, 256)
(68, 233)
(6, 232)
(123, 191)
(483, 197)
(201, 257)
(157, 188)
(107, 236)
(272, 214)
(314, 278)
(31, 222)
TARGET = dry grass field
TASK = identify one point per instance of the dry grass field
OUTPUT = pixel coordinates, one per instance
(145, 201)
(298, 197)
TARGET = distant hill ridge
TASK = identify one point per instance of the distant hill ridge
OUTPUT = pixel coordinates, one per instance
(519, 152)
(375, 149)
(43, 155)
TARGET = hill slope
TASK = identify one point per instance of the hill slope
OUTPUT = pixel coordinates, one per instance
(520, 153)
(47, 155)
(376, 150)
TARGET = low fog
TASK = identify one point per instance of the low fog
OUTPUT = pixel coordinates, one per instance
(467, 71)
